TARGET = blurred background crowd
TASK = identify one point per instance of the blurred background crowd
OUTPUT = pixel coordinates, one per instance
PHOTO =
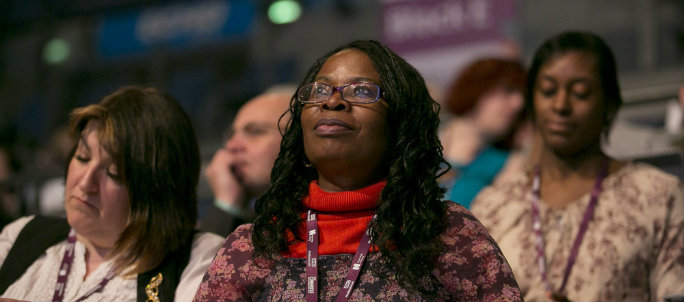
(214, 55)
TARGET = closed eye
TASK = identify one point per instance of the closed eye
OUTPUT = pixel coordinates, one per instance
(82, 159)
(547, 92)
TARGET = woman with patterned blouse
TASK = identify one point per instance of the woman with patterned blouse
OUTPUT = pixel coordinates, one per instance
(355, 210)
(582, 226)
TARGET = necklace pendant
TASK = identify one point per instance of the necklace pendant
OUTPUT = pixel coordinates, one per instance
(152, 288)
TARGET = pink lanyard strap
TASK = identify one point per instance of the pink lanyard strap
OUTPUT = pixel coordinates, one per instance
(65, 268)
(312, 259)
(536, 225)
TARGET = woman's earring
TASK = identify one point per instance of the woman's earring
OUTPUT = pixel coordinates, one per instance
(307, 163)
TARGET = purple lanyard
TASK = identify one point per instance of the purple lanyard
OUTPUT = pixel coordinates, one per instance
(65, 268)
(536, 225)
(312, 259)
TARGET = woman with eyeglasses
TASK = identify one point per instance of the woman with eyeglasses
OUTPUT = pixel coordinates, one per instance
(131, 208)
(354, 212)
(582, 226)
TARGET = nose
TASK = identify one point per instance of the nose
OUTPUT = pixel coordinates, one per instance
(88, 181)
(235, 143)
(561, 102)
(335, 102)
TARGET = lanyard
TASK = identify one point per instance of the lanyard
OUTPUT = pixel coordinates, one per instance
(312, 259)
(65, 268)
(536, 225)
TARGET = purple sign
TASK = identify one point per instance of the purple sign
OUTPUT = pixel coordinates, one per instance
(412, 25)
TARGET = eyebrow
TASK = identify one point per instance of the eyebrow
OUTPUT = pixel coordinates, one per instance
(575, 80)
(357, 79)
(258, 124)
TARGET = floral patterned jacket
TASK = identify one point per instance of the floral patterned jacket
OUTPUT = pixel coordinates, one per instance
(633, 249)
(470, 268)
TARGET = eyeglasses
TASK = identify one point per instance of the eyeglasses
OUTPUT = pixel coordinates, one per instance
(358, 92)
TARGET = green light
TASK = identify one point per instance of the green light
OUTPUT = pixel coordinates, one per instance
(284, 11)
(56, 51)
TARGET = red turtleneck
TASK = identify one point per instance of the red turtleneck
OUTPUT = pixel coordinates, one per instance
(342, 219)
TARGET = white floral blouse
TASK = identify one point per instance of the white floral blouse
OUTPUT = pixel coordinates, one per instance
(633, 249)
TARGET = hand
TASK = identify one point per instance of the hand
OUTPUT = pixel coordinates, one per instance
(225, 186)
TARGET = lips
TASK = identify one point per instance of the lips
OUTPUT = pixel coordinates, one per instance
(83, 202)
(559, 127)
(331, 126)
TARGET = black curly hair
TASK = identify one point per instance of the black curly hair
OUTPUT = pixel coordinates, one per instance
(412, 215)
